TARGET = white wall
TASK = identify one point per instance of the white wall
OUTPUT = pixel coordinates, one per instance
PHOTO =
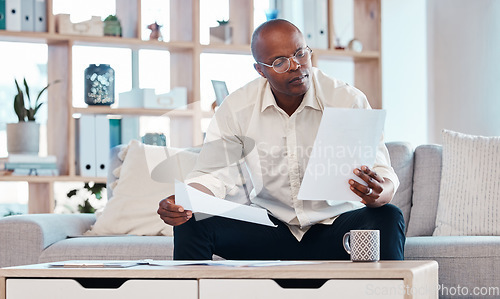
(404, 70)
(464, 67)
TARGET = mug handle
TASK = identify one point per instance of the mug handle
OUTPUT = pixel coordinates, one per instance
(346, 240)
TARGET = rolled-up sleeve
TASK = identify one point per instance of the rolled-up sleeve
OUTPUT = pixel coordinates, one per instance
(382, 165)
(216, 167)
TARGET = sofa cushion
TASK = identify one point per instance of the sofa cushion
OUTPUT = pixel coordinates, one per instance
(426, 182)
(132, 208)
(401, 155)
(465, 261)
(110, 248)
(469, 197)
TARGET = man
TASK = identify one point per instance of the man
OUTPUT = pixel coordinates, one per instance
(271, 122)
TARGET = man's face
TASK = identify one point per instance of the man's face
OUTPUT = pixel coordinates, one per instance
(283, 41)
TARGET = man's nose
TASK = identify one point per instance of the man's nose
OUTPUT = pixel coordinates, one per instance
(294, 63)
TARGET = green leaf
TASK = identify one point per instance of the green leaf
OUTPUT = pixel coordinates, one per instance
(27, 91)
(86, 208)
(19, 107)
(36, 108)
(45, 88)
(30, 113)
(71, 193)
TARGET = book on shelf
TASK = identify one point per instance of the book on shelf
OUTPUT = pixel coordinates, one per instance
(21, 165)
(26, 164)
(36, 171)
(27, 158)
(32, 168)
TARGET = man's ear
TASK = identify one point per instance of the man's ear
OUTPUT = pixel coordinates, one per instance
(258, 68)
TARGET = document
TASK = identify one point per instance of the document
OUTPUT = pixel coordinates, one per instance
(346, 139)
(231, 263)
(94, 264)
(202, 203)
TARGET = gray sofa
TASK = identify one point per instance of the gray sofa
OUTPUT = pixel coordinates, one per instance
(465, 261)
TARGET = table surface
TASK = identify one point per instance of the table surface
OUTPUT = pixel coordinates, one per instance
(320, 269)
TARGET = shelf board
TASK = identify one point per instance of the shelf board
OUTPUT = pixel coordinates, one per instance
(226, 49)
(24, 36)
(345, 54)
(100, 41)
(321, 53)
(134, 111)
(50, 179)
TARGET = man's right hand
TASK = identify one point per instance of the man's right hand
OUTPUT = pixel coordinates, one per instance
(171, 213)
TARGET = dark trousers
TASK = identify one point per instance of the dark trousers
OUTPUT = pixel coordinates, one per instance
(238, 240)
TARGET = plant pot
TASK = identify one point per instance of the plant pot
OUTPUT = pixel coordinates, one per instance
(221, 34)
(112, 28)
(23, 138)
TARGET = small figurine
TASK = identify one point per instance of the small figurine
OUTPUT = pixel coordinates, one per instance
(155, 32)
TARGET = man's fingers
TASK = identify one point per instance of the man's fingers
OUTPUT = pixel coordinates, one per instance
(171, 213)
(372, 182)
(169, 205)
(372, 173)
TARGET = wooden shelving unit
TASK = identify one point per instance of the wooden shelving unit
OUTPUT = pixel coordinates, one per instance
(185, 50)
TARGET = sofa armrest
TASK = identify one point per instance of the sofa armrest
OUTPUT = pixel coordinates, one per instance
(24, 237)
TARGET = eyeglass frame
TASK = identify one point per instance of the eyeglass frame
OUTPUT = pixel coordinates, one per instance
(287, 58)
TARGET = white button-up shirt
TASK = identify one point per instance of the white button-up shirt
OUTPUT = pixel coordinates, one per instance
(276, 148)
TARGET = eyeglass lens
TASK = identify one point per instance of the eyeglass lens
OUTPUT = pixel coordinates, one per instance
(282, 64)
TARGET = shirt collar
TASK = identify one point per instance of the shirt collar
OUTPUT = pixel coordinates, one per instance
(310, 98)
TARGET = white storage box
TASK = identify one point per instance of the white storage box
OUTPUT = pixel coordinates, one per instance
(176, 98)
(270, 289)
(136, 97)
(70, 288)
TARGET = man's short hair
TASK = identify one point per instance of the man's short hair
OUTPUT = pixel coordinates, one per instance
(265, 25)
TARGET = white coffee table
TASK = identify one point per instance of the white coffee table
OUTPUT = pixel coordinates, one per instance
(342, 279)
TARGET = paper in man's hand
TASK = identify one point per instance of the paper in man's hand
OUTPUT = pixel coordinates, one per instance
(198, 202)
(346, 139)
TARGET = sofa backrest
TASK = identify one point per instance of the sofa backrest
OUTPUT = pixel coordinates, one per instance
(426, 184)
(402, 160)
(419, 173)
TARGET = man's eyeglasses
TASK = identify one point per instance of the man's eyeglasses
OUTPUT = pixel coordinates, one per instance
(282, 64)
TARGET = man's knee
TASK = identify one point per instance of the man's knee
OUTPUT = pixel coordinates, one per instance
(388, 217)
(392, 211)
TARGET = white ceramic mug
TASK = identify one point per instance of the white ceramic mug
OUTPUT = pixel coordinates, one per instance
(363, 245)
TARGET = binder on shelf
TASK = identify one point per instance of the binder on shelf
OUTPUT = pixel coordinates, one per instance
(102, 145)
(115, 132)
(2, 14)
(86, 145)
(316, 23)
(13, 15)
(27, 15)
(40, 19)
(130, 129)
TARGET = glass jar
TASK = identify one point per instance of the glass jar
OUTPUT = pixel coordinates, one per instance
(99, 84)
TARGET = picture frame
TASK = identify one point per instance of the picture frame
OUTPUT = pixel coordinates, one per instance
(221, 91)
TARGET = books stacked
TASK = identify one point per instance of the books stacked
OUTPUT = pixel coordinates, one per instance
(25, 164)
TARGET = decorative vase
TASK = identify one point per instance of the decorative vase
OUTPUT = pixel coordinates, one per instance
(99, 85)
(271, 14)
(23, 138)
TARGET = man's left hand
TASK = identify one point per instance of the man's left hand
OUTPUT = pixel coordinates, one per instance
(378, 190)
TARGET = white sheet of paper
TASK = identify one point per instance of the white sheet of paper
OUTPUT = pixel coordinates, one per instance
(232, 263)
(346, 139)
(199, 202)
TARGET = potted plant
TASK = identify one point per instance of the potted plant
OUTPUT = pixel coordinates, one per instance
(222, 33)
(86, 195)
(112, 26)
(23, 137)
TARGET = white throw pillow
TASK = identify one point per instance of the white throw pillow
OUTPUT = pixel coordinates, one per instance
(132, 209)
(469, 197)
